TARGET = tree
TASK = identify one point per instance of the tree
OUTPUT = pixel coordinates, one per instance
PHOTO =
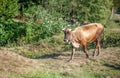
(8, 8)
(92, 10)
(115, 6)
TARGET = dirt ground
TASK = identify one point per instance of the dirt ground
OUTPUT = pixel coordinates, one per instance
(108, 61)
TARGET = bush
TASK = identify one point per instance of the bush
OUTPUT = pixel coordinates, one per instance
(10, 32)
(112, 39)
(82, 10)
(47, 26)
(8, 8)
(32, 31)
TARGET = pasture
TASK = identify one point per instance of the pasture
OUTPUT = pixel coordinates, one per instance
(48, 59)
(31, 39)
(107, 65)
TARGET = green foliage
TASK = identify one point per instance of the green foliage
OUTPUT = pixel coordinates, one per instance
(32, 30)
(113, 23)
(51, 19)
(95, 10)
(8, 8)
(48, 26)
(116, 4)
(27, 3)
(112, 39)
(10, 32)
(92, 11)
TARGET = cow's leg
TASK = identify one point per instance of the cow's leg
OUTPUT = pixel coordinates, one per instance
(97, 47)
(72, 54)
(85, 50)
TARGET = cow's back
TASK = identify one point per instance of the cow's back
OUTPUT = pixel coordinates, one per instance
(89, 32)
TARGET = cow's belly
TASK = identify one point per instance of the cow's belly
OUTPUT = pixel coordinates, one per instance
(90, 37)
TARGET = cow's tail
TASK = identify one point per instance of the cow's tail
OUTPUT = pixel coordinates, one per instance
(103, 39)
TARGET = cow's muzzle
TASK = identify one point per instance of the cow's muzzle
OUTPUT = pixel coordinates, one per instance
(66, 40)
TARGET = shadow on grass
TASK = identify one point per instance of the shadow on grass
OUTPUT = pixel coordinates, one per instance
(53, 55)
(115, 66)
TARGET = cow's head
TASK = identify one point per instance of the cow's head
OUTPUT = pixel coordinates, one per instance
(67, 34)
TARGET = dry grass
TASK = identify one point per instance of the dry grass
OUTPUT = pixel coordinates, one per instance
(12, 62)
(105, 65)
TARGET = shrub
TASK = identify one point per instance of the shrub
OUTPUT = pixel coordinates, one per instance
(10, 32)
(8, 8)
(112, 39)
(49, 25)
(32, 31)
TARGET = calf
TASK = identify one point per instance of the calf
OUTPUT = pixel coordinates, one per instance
(82, 35)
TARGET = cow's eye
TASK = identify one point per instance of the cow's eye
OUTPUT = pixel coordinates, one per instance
(67, 32)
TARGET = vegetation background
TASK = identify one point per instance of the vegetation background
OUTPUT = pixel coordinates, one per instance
(33, 28)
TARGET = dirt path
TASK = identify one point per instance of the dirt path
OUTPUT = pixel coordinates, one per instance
(107, 63)
(80, 56)
(108, 57)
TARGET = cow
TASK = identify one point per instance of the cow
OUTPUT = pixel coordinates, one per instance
(82, 35)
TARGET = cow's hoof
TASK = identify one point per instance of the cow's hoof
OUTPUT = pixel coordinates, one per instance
(87, 56)
(93, 55)
(97, 55)
(70, 60)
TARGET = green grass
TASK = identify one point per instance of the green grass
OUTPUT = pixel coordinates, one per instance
(55, 75)
(36, 74)
(42, 75)
(105, 65)
(80, 74)
(44, 51)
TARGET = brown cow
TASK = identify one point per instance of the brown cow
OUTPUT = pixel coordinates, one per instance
(83, 35)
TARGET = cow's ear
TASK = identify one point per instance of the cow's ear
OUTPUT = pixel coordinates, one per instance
(63, 29)
(70, 30)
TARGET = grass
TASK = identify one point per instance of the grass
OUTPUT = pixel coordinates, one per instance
(55, 44)
(79, 74)
(41, 75)
(47, 59)
(35, 50)
(37, 74)
(55, 66)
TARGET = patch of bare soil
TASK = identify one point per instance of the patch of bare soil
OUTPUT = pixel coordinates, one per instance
(12, 62)
(80, 57)
(58, 62)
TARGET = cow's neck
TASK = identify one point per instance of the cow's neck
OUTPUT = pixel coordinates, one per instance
(74, 36)
(74, 41)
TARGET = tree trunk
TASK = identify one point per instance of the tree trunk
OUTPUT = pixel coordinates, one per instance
(112, 13)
